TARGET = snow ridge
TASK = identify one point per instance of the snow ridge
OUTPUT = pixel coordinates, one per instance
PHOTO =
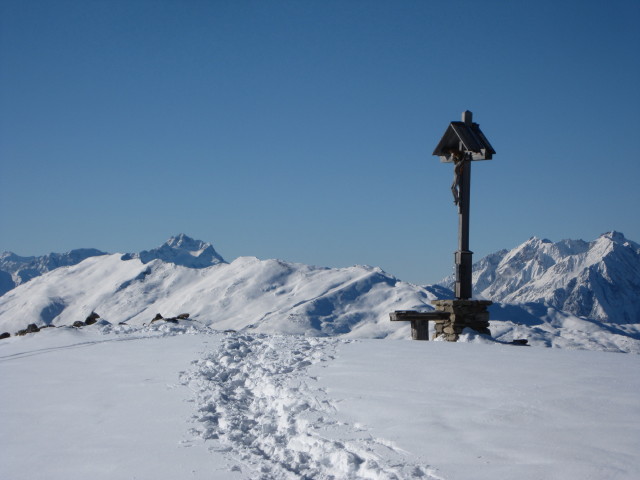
(16, 270)
(262, 295)
(256, 399)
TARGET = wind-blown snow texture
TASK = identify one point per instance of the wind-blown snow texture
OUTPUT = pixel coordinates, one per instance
(274, 296)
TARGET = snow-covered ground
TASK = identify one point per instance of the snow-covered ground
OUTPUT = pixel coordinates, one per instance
(184, 401)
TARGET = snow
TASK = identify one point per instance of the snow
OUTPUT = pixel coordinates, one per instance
(488, 411)
(257, 398)
(280, 372)
(268, 295)
(80, 404)
(15, 269)
(172, 401)
(545, 326)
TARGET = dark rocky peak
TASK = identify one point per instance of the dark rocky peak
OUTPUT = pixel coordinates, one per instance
(181, 250)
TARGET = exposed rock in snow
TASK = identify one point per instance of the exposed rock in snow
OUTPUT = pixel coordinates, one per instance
(31, 328)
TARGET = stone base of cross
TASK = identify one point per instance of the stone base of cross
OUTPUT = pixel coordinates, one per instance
(462, 314)
(450, 318)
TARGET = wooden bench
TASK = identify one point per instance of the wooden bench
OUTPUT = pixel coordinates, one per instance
(419, 321)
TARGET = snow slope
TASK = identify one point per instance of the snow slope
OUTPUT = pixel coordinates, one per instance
(182, 401)
(78, 404)
(15, 270)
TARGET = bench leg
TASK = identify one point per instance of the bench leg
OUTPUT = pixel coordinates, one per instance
(419, 330)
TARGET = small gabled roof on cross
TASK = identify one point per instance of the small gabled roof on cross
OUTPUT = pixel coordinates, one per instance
(464, 136)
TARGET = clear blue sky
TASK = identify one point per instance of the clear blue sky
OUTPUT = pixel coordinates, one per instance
(303, 130)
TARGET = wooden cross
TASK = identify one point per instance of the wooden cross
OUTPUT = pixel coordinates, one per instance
(462, 143)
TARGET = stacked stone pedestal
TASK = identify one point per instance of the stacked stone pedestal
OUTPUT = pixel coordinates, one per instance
(461, 314)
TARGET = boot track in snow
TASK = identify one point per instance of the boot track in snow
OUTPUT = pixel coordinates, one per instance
(258, 404)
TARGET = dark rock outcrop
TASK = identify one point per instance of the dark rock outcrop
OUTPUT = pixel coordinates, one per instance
(31, 328)
(91, 319)
(182, 316)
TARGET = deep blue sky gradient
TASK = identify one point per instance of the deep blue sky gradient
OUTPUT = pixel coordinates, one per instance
(303, 130)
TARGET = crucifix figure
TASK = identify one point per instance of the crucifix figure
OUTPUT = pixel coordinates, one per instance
(459, 161)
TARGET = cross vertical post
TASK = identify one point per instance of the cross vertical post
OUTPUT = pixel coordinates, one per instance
(463, 257)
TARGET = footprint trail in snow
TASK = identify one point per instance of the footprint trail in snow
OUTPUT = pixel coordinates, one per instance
(256, 399)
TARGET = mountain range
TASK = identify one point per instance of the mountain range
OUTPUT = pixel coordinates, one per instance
(584, 289)
(598, 280)
(185, 275)
(179, 250)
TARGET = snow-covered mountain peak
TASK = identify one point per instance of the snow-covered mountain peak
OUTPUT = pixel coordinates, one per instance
(612, 240)
(181, 250)
(614, 236)
(184, 242)
(535, 240)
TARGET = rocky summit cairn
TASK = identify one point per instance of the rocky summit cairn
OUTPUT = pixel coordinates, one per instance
(462, 143)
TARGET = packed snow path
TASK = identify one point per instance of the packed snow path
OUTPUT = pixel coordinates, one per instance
(256, 398)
